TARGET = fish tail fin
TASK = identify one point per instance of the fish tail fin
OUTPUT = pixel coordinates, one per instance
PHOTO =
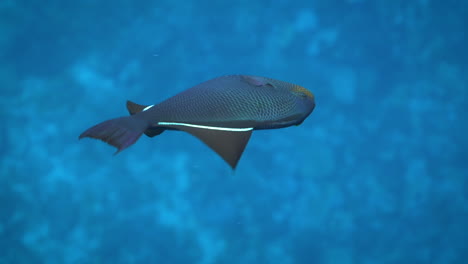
(120, 132)
(134, 108)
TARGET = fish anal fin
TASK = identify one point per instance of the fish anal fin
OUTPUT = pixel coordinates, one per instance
(134, 108)
(228, 144)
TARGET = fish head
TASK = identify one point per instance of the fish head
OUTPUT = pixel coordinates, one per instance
(291, 103)
(305, 99)
(300, 101)
(302, 98)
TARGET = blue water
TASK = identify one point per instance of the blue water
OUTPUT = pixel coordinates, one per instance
(377, 174)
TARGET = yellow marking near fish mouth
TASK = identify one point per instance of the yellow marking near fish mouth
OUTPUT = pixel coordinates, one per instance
(302, 90)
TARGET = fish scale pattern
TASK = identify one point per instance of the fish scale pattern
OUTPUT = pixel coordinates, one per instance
(231, 98)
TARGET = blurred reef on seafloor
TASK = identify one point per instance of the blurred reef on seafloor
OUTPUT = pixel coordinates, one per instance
(377, 174)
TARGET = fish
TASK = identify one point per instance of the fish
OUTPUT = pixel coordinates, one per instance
(221, 112)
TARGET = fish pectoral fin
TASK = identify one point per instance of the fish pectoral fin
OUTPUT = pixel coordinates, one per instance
(134, 108)
(227, 142)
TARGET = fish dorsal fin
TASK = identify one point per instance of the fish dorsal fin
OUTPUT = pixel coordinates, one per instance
(134, 108)
(229, 143)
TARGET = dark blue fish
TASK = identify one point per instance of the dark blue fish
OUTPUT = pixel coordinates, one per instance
(221, 112)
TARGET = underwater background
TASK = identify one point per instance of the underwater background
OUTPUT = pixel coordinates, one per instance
(376, 174)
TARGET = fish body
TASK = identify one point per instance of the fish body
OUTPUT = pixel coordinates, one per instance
(222, 112)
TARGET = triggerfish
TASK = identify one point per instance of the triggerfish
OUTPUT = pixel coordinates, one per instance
(221, 112)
